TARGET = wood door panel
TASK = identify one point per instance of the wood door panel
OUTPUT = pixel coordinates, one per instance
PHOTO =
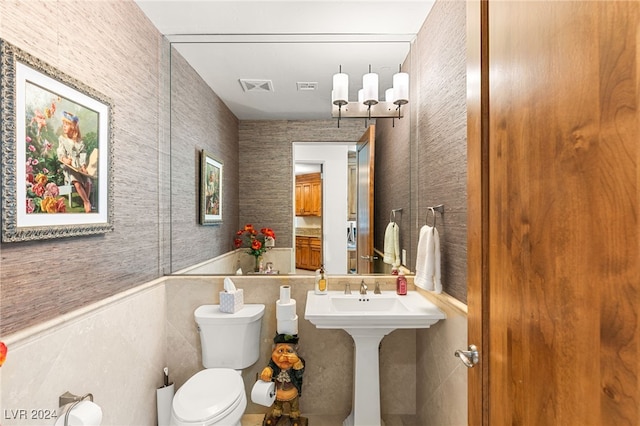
(563, 288)
(365, 149)
(315, 250)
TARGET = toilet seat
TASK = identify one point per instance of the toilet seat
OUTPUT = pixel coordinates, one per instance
(209, 396)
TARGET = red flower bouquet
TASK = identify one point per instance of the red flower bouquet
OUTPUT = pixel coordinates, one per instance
(256, 242)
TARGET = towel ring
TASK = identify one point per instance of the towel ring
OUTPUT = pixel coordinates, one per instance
(392, 214)
(433, 213)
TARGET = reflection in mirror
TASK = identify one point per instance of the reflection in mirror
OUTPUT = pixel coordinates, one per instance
(278, 139)
(325, 222)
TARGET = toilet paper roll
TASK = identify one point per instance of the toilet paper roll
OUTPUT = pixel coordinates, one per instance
(289, 326)
(285, 294)
(286, 311)
(83, 413)
(263, 393)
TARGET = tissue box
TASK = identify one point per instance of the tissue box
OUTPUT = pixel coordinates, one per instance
(231, 302)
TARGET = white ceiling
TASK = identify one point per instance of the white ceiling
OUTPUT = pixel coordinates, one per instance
(288, 42)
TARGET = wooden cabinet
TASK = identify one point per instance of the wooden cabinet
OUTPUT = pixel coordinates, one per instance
(303, 253)
(315, 249)
(308, 253)
(309, 195)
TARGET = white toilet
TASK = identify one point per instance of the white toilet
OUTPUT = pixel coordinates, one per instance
(230, 342)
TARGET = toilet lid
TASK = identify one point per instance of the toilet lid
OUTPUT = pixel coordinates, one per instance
(209, 395)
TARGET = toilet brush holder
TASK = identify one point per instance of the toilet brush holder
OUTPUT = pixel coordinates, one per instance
(164, 399)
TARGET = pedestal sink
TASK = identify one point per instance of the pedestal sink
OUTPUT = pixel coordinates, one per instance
(367, 319)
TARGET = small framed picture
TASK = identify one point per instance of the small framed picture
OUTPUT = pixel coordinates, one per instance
(210, 189)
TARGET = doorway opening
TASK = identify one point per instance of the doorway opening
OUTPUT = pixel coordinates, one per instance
(332, 156)
(308, 216)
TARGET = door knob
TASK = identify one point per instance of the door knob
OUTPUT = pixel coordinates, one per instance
(469, 358)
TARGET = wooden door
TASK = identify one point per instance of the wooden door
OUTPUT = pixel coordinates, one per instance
(477, 208)
(554, 271)
(352, 187)
(365, 149)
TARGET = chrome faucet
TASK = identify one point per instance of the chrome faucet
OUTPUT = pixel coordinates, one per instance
(363, 288)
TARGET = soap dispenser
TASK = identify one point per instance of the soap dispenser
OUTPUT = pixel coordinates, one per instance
(321, 281)
(401, 284)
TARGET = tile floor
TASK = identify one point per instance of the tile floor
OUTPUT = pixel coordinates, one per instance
(320, 420)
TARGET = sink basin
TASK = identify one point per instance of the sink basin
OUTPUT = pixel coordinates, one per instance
(360, 305)
(368, 318)
(387, 310)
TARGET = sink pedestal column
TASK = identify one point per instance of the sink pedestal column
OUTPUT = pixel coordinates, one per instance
(366, 381)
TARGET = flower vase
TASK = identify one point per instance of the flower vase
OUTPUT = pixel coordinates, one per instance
(256, 266)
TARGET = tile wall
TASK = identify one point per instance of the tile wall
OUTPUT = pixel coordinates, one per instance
(116, 349)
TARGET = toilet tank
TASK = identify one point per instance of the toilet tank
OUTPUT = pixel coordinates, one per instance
(229, 340)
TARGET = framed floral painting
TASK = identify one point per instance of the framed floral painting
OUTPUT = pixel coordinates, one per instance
(56, 152)
(210, 189)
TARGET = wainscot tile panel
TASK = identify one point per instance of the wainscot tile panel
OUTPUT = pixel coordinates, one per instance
(114, 348)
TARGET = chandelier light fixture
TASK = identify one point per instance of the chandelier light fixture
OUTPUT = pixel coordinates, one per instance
(368, 105)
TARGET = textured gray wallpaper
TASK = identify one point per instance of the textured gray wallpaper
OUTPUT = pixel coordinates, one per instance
(199, 120)
(44, 279)
(440, 162)
(432, 169)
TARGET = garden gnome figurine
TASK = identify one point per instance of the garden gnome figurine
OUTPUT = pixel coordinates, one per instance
(286, 369)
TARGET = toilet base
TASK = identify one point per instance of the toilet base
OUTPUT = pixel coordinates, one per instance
(284, 420)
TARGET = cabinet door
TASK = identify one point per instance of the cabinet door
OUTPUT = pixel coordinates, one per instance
(306, 199)
(303, 253)
(315, 245)
(299, 200)
(316, 199)
(299, 243)
(309, 195)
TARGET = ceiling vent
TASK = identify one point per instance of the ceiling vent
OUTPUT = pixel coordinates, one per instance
(307, 85)
(249, 85)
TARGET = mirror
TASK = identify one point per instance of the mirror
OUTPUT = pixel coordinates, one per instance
(269, 194)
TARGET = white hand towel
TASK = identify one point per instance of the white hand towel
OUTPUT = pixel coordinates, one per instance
(425, 245)
(437, 284)
(392, 244)
(428, 260)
